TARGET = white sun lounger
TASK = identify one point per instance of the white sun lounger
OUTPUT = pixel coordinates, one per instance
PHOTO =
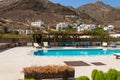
(117, 55)
(36, 45)
(104, 44)
(46, 45)
(112, 45)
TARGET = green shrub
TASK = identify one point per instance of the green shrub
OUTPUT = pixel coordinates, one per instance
(94, 74)
(83, 78)
(112, 74)
(105, 74)
(99, 76)
(118, 75)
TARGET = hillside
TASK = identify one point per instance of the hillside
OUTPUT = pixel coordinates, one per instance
(27, 11)
(103, 13)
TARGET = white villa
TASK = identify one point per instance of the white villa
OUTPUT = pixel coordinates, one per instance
(109, 28)
(21, 31)
(37, 24)
(71, 16)
(115, 35)
(84, 27)
(61, 26)
(28, 31)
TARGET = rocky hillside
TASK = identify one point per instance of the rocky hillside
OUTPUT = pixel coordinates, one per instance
(103, 13)
(27, 11)
(37, 10)
(32, 10)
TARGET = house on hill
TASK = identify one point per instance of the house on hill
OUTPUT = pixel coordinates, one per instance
(61, 26)
(37, 24)
(84, 27)
(109, 28)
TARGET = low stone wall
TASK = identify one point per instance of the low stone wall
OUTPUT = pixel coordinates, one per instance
(6, 40)
(3, 46)
(10, 45)
(14, 40)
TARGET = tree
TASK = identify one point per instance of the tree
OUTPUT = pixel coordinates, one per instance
(5, 29)
(36, 38)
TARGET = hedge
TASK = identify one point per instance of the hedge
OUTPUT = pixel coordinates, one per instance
(49, 72)
(111, 74)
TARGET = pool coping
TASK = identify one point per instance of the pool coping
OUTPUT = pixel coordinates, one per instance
(71, 48)
(61, 48)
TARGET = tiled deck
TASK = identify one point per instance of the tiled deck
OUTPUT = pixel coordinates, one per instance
(12, 62)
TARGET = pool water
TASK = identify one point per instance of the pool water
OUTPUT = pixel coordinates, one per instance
(76, 52)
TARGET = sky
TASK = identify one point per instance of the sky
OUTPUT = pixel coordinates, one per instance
(77, 3)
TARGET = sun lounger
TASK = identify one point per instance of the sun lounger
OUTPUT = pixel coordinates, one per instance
(104, 44)
(117, 55)
(112, 44)
(46, 45)
(36, 45)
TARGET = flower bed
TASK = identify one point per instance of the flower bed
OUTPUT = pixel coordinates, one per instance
(49, 72)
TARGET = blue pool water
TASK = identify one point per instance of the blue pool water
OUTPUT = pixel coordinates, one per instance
(76, 52)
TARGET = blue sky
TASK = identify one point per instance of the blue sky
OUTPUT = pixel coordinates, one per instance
(77, 3)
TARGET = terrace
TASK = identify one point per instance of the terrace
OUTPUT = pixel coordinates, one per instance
(56, 39)
(13, 61)
(83, 65)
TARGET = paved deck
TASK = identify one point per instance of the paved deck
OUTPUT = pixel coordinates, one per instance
(12, 62)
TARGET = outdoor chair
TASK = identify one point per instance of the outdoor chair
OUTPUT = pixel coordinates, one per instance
(112, 45)
(36, 45)
(46, 45)
(104, 44)
(117, 55)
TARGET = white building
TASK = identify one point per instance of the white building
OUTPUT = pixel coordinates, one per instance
(28, 31)
(37, 24)
(84, 27)
(71, 16)
(61, 26)
(92, 26)
(109, 28)
(21, 31)
(115, 35)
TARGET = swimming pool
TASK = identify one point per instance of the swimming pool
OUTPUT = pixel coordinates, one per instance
(76, 52)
